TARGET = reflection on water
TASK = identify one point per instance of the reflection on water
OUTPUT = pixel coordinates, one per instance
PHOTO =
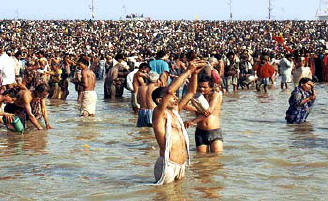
(23, 144)
(108, 158)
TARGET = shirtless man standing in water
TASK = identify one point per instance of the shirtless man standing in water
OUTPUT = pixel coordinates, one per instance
(169, 130)
(89, 95)
(144, 98)
(208, 134)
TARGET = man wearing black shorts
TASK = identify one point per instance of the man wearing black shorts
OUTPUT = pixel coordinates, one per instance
(208, 134)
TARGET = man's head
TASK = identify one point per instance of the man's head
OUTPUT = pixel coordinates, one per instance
(144, 67)
(41, 91)
(306, 84)
(119, 57)
(205, 84)
(158, 95)
(231, 56)
(213, 61)
(160, 54)
(83, 63)
(289, 57)
(265, 58)
(9, 96)
(191, 55)
(301, 61)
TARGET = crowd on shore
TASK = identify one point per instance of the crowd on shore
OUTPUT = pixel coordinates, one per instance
(165, 65)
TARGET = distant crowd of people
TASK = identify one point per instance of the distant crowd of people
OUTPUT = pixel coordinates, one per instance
(167, 66)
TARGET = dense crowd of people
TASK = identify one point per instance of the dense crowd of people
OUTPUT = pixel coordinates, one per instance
(165, 65)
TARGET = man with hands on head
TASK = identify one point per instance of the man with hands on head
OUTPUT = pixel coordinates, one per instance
(169, 130)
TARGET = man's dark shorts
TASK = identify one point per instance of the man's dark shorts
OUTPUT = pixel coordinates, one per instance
(207, 137)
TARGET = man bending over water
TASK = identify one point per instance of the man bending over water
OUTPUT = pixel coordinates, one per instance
(169, 130)
(26, 105)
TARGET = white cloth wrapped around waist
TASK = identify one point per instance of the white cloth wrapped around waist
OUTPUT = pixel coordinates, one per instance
(89, 100)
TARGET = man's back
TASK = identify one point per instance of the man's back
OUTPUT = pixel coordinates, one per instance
(159, 66)
(89, 80)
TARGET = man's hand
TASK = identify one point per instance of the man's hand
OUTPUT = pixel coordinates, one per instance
(196, 65)
(314, 95)
(207, 113)
(187, 124)
(48, 126)
(9, 117)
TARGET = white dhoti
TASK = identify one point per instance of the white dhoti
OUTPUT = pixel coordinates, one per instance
(165, 170)
(88, 104)
(173, 171)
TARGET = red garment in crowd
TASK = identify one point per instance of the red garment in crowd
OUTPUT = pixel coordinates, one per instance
(266, 71)
(325, 68)
(312, 66)
(257, 68)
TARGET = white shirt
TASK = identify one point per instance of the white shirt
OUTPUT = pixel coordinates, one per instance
(7, 68)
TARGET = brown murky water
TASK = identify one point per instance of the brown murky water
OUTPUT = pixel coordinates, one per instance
(108, 158)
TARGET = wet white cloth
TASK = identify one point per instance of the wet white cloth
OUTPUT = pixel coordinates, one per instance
(200, 102)
(88, 104)
(166, 171)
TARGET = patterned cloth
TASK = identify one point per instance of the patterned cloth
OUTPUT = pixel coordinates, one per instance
(297, 112)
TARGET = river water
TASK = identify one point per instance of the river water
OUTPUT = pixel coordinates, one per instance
(108, 158)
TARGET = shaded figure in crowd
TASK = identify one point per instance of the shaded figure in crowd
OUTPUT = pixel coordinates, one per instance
(89, 95)
(301, 102)
(169, 130)
(115, 79)
(231, 72)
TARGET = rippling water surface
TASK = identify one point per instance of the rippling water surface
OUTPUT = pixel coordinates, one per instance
(108, 158)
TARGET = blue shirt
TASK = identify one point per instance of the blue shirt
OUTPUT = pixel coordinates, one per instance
(159, 66)
(297, 112)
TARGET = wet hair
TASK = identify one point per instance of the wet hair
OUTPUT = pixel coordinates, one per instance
(288, 56)
(84, 61)
(119, 56)
(144, 65)
(191, 55)
(206, 78)
(41, 88)
(304, 80)
(160, 54)
(12, 92)
(230, 54)
(158, 93)
(18, 53)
